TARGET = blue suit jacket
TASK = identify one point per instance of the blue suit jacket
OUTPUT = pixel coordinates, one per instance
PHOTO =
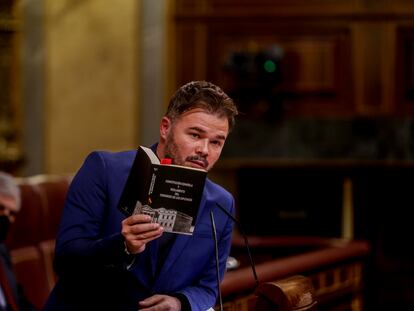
(90, 260)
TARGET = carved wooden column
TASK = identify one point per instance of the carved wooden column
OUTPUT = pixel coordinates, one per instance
(10, 149)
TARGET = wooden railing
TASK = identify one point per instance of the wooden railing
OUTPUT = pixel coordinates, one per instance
(334, 268)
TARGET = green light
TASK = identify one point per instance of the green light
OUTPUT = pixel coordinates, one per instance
(269, 66)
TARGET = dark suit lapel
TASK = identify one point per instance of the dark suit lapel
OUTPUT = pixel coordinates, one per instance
(178, 247)
(145, 265)
(154, 257)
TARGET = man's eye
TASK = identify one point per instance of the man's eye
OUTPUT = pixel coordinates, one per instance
(195, 135)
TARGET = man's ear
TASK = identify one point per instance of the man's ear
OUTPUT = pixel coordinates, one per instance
(165, 127)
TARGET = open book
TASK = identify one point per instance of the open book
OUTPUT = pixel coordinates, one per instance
(170, 194)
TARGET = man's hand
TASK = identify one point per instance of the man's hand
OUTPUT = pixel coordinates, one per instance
(138, 231)
(160, 303)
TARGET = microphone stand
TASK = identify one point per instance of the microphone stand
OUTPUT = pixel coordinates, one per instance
(217, 255)
(213, 225)
(246, 242)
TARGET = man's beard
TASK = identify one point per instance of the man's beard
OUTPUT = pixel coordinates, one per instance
(171, 151)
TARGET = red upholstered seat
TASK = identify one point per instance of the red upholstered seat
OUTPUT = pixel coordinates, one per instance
(31, 239)
(47, 248)
(29, 223)
(42, 200)
(31, 273)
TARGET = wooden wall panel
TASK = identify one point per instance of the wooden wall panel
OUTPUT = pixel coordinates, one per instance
(342, 58)
(315, 66)
(313, 57)
(369, 49)
(405, 69)
(296, 7)
(235, 7)
(185, 35)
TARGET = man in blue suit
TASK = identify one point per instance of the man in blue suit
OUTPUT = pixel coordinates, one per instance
(105, 261)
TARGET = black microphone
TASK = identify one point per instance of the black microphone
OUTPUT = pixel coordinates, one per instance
(246, 242)
(213, 226)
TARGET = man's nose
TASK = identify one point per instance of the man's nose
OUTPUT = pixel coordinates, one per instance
(202, 147)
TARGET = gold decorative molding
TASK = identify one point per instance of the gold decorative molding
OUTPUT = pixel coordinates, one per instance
(11, 155)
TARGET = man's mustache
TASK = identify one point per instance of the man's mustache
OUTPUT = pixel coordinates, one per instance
(198, 158)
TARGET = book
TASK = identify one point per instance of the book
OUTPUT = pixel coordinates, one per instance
(170, 194)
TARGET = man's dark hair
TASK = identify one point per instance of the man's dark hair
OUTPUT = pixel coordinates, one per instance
(205, 95)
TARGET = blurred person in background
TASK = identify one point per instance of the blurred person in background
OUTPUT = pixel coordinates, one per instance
(12, 297)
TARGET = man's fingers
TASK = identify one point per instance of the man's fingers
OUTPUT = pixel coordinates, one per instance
(147, 235)
(138, 224)
(136, 244)
(140, 229)
(136, 219)
(160, 302)
(150, 301)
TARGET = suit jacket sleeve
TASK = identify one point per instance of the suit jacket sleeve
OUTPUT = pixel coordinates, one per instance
(80, 242)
